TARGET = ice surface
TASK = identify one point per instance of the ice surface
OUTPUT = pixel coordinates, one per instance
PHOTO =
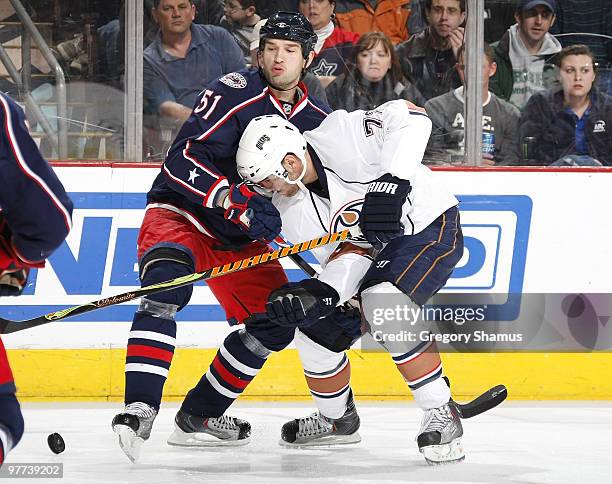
(517, 442)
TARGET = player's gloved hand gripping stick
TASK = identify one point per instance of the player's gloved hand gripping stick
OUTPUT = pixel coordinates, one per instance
(300, 304)
(8, 326)
(13, 270)
(252, 212)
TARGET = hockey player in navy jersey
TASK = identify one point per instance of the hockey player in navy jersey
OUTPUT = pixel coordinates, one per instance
(375, 180)
(195, 219)
(35, 218)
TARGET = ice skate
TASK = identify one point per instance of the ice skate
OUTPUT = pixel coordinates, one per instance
(194, 431)
(319, 430)
(133, 426)
(439, 439)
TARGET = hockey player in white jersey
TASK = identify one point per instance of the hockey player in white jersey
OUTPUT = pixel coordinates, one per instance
(363, 169)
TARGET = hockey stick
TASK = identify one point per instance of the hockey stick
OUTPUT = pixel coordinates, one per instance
(7, 326)
(488, 400)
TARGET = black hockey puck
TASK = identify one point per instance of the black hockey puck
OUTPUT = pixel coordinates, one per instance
(56, 443)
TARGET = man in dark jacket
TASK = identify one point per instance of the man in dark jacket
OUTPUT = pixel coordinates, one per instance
(428, 58)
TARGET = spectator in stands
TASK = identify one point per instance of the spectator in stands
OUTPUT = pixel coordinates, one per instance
(428, 59)
(183, 58)
(573, 125)
(334, 44)
(209, 12)
(498, 16)
(240, 19)
(314, 86)
(374, 77)
(499, 119)
(362, 16)
(523, 51)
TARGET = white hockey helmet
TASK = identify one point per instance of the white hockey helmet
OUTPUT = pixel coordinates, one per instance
(263, 147)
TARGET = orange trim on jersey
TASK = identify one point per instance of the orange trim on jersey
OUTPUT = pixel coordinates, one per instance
(349, 248)
(414, 107)
(439, 257)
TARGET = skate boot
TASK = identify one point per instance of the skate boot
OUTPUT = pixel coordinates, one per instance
(440, 437)
(133, 427)
(223, 431)
(319, 430)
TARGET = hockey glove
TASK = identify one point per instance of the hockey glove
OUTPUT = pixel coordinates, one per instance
(349, 319)
(13, 271)
(382, 209)
(254, 214)
(301, 304)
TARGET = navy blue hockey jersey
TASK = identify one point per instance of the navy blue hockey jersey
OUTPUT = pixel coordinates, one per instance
(32, 198)
(202, 159)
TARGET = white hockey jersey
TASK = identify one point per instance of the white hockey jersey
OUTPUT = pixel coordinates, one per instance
(355, 149)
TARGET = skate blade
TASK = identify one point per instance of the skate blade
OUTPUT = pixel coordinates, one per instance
(128, 441)
(201, 439)
(444, 454)
(329, 441)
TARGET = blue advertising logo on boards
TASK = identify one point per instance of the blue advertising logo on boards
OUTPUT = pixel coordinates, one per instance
(496, 233)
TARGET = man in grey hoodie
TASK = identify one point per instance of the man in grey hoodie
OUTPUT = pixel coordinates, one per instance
(499, 120)
(523, 52)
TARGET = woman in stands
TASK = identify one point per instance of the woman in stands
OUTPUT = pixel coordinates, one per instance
(572, 125)
(374, 77)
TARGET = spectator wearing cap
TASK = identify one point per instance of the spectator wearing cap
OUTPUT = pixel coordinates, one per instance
(571, 125)
(524, 51)
(183, 58)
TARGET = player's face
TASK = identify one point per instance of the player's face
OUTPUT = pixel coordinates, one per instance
(577, 75)
(318, 12)
(282, 62)
(174, 16)
(534, 24)
(374, 63)
(445, 16)
(276, 184)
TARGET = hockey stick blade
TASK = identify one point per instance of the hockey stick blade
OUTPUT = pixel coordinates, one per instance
(488, 400)
(7, 326)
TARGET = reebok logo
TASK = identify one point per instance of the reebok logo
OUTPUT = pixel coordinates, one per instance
(261, 141)
(382, 187)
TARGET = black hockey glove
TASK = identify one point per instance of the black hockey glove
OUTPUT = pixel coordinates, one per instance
(253, 213)
(349, 319)
(301, 304)
(382, 209)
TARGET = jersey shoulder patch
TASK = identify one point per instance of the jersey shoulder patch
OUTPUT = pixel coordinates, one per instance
(234, 80)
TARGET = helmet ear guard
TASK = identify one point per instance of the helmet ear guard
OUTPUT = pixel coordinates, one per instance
(263, 147)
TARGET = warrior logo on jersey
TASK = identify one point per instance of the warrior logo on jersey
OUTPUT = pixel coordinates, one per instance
(235, 80)
(347, 218)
